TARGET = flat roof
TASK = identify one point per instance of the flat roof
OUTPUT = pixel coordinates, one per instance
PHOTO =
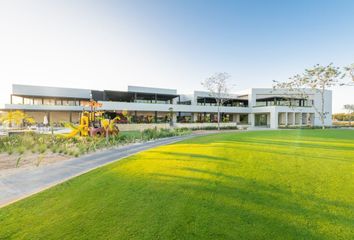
(43, 91)
(140, 89)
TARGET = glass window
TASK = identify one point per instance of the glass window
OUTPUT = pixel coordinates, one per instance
(48, 101)
(58, 102)
(244, 118)
(37, 101)
(261, 103)
(68, 102)
(17, 100)
(84, 103)
(28, 101)
(260, 119)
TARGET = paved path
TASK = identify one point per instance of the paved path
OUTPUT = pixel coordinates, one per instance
(23, 183)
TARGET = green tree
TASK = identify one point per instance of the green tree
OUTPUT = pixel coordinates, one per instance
(318, 79)
(17, 118)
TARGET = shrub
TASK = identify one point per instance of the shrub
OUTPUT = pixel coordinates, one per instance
(21, 150)
(215, 128)
(42, 148)
(79, 145)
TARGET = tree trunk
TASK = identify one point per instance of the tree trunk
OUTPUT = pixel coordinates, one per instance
(219, 117)
(322, 115)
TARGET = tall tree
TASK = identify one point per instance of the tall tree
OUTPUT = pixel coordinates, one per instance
(349, 71)
(218, 88)
(318, 79)
(350, 109)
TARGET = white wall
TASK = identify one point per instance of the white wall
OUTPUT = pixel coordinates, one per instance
(194, 108)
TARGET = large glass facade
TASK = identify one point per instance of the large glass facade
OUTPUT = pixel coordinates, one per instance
(28, 101)
(243, 119)
(284, 102)
(46, 101)
(16, 100)
(261, 119)
(37, 101)
(207, 101)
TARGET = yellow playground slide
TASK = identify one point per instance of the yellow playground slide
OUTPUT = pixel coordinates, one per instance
(82, 129)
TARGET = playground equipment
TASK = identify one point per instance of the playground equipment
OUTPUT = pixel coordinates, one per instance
(94, 124)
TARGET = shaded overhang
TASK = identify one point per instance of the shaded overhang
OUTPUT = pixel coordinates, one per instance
(279, 98)
(122, 96)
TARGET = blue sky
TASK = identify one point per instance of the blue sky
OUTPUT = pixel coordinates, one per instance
(173, 44)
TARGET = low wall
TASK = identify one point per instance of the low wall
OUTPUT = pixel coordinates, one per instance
(143, 126)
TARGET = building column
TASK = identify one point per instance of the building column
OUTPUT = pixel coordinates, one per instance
(135, 116)
(251, 119)
(194, 117)
(274, 119)
(135, 97)
(237, 118)
(174, 118)
(155, 117)
(269, 118)
(49, 118)
(286, 119)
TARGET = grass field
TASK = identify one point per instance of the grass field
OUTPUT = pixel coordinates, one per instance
(291, 184)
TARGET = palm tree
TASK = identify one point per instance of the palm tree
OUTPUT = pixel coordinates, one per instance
(17, 118)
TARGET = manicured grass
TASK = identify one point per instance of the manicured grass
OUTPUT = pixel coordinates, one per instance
(291, 184)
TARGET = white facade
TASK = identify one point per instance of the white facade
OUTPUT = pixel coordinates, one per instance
(256, 107)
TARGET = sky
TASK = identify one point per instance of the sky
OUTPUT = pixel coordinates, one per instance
(171, 44)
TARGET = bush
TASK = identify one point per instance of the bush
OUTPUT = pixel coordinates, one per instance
(149, 134)
(215, 128)
(76, 146)
(21, 150)
(42, 148)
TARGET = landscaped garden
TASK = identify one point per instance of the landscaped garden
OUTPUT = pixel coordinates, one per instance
(33, 149)
(286, 184)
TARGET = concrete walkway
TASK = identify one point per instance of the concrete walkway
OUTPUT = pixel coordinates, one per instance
(25, 182)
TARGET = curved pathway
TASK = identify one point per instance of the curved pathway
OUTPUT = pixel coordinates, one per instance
(23, 183)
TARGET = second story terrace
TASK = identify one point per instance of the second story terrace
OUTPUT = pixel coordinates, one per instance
(137, 98)
(137, 94)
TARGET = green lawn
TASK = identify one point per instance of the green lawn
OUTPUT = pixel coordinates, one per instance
(291, 184)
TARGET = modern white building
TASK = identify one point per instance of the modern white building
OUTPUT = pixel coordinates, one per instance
(256, 107)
